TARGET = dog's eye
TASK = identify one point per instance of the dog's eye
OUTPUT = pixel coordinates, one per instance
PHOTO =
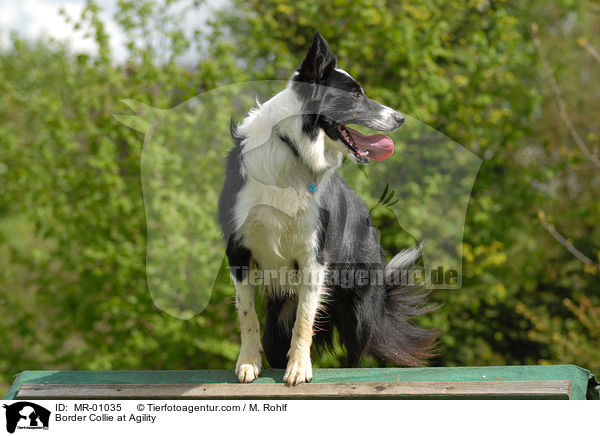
(356, 95)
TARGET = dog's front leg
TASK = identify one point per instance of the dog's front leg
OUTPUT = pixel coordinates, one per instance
(299, 366)
(249, 363)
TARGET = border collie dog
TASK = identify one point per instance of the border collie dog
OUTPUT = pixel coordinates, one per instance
(285, 210)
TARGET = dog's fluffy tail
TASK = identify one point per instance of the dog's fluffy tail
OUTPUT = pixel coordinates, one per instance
(397, 339)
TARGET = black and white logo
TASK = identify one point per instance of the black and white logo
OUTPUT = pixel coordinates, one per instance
(26, 415)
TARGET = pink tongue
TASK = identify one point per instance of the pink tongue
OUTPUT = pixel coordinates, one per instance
(380, 147)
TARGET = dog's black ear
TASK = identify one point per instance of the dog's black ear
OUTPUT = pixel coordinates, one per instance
(318, 61)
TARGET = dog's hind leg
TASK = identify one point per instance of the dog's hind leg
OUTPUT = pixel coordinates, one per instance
(355, 322)
(278, 330)
(355, 338)
(355, 352)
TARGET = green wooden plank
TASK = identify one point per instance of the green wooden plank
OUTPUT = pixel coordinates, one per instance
(578, 376)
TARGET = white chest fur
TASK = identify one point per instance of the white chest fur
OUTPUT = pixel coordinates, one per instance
(278, 225)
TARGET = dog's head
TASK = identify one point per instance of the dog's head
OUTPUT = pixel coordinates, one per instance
(332, 99)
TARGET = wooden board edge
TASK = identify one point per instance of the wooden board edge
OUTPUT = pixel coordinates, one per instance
(370, 390)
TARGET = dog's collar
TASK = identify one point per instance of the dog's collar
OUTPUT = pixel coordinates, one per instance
(287, 141)
(312, 187)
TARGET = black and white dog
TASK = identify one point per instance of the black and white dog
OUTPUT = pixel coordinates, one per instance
(286, 213)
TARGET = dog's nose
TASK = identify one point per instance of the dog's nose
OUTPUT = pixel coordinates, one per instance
(399, 118)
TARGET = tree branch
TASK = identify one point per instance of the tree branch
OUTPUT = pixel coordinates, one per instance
(589, 48)
(561, 104)
(563, 241)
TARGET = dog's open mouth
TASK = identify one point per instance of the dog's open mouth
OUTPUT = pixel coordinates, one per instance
(376, 147)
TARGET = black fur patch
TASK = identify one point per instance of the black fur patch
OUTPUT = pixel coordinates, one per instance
(237, 254)
(276, 340)
(238, 257)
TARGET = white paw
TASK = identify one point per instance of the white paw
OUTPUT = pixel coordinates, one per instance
(299, 369)
(248, 367)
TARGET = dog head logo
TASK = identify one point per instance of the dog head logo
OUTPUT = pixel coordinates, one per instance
(26, 415)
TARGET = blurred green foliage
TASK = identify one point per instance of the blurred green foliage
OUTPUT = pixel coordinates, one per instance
(73, 288)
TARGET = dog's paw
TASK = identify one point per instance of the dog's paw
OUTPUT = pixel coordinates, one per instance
(248, 368)
(298, 370)
(247, 372)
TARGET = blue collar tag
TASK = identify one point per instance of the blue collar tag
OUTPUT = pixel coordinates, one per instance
(312, 188)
